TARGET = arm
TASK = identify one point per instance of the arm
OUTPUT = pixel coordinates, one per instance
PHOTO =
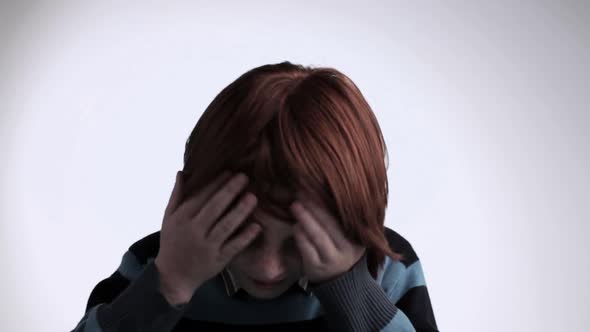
(132, 299)
(356, 302)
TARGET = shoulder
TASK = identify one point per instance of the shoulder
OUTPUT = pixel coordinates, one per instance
(405, 285)
(401, 245)
(397, 277)
(146, 248)
(133, 261)
(140, 253)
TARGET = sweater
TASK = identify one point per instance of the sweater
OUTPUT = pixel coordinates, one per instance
(397, 300)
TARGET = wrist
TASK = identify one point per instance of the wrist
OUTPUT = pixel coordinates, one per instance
(175, 291)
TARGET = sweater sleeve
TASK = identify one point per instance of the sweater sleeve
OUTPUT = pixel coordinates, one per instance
(354, 301)
(118, 303)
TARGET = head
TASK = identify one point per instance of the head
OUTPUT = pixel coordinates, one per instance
(292, 129)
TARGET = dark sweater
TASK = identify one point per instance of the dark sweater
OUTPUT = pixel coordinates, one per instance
(129, 300)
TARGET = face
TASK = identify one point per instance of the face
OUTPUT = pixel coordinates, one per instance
(273, 255)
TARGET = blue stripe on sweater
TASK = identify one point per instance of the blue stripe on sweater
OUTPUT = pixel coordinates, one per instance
(211, 302)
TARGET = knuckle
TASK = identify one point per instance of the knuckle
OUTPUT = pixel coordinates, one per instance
(245, 205)
(225, 228)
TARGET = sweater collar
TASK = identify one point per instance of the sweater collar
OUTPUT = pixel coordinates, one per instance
(232, 286)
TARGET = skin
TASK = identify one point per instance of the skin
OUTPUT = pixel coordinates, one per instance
(315, 247)
(272, 255)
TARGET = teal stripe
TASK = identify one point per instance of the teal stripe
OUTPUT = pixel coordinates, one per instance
(399, 323)
(412, 276)
(90, 321)
(130, 267)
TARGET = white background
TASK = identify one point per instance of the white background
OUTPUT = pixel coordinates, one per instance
(484, 106)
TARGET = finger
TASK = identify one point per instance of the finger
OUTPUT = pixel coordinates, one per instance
(329, 223)
(239, 242)
(175, 196)
(214, 207)
(222, 230)
(192, 204)
(305, 246)
(314, 232)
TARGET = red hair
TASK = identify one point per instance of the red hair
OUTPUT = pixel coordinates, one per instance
(301, 128)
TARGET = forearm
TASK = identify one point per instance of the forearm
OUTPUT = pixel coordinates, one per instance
(355, 302)
(142, 306)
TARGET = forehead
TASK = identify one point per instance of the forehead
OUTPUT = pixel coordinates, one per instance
(273, 201)
(273, 217)
(279, 193)
(279, 227)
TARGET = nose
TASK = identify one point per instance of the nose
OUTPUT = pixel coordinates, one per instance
(271, 268)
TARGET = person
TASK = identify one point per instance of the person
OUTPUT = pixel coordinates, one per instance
(275, 223)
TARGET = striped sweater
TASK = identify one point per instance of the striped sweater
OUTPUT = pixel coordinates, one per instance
(129, 299)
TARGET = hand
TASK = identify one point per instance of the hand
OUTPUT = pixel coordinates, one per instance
(325, 251)
(194, 243)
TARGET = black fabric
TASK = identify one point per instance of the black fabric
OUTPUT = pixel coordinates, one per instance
(107, 290)
(400, 245)
(353, 301)
(318, 324)
(416, 305)
(140, 307)
(147, 247)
